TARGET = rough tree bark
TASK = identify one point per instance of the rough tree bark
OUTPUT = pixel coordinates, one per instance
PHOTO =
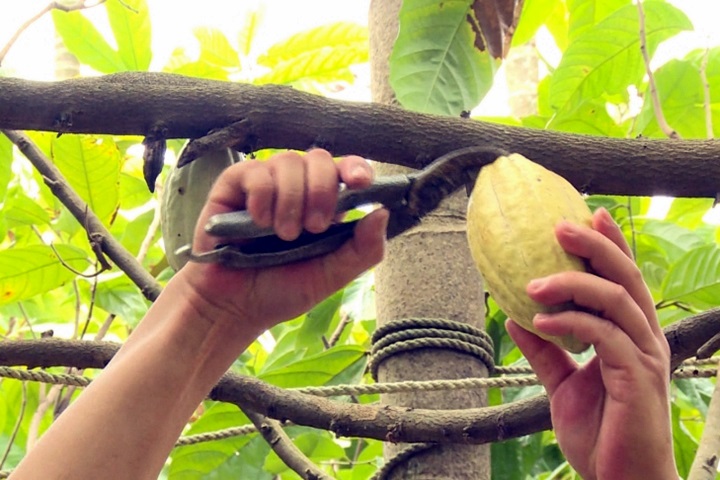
(428, 272)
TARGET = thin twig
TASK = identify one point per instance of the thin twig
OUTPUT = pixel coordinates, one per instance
(96, 230)
(18, 423)
(345, 320)
(50, 6)
(654, 96)
(704, 466)
(45, 403)
(104, 328)
(706, 95)
(281, 444)
(73, 270)
(27, 319)
(93, 294)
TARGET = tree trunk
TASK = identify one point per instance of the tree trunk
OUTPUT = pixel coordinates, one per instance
(427, 273)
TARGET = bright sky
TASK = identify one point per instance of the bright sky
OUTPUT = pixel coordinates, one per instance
(173, 20)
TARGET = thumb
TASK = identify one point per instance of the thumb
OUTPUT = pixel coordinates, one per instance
(364, 250)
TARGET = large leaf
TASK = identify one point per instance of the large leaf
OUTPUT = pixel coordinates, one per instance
(688, 212)
(215, 49)
(133, 191)
(248, 31)
(130, 23)
(84, 41)
(585, 14)
(695, 278)
(123, 298)
(321, 369)
(29, 271)
(317, 322)
(323, 54)
(534, 14)
(197, 461)
(322, 65)
(684, 444)
(340, 34)
(680, 89)
(606, 58)
(22, 210)
(672, 239)
(317, 445)
(92, 167)
(435, 66)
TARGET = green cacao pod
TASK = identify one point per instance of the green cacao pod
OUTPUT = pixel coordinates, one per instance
(511, 217)
(186, 190)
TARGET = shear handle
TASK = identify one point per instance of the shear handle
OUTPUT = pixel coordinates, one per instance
(391, 191)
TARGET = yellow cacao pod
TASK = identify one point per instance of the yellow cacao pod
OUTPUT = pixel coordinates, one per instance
(186, 190)
(511, 218)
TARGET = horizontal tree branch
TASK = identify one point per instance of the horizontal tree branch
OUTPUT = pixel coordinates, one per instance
(172, 106)
(387, 423)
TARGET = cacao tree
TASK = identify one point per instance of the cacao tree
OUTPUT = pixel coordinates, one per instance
(55, 280)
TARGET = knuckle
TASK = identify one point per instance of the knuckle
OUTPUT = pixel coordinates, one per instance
(617, 293)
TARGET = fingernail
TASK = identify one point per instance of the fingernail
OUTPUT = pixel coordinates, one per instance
(316, 221)
(570, 226)
(536, 284)
(359, 173)
(607, 219)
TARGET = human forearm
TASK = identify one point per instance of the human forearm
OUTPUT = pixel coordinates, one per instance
(125, 424)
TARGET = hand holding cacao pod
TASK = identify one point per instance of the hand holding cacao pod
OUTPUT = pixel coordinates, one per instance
(511, 217)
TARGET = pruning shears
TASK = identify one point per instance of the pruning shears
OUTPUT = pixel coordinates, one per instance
(408, 197)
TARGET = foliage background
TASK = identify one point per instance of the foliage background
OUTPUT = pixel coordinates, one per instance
(593, 82)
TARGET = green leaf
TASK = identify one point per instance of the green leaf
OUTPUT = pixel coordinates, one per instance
(132, 233)
(668, 237)
(606, 58)
(588, 116)
(695, 278)
(215, 49)
(336, 35)
(322, 65)
(688, 212)
(92, 167)
(359, 298)
(23, 210)
(84, 41)
(434, 65)
(585, 14)
(317, 322)
(534, 14)
(321, 369)
(285, 351)
(133, 191)
(130, 23)
(248, 31)
(680, 89)
(684, 444)
(11, 397)
(318, 446)
(29, 271)
(199, 460)
(557, 25)
(123, 298)
(6, 160)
